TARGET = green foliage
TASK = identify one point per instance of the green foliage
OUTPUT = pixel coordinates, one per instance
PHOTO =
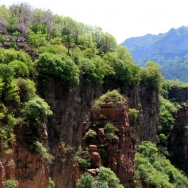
(155, 170)
(26, 87)
(106, 178)
(6, 73)
(113, 96)
(106, 175)
(51, 183)
(86, 181)
(110, 130)
(133, 112)
(10, 90)
(54, 49)
(43, 153)
(167, 117)
(126, 71)
(94, 70)
(3, 110)
(11, 183)
(60, 67)
(84, 164)
(36, 108)
(38, 39)
(168, 85)
(90, 134)
(20, 68)
(7, 56)
(151, 76)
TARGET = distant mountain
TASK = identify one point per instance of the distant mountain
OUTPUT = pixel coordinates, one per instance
(169, 50)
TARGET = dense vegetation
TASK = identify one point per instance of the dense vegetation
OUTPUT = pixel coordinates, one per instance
(155, 170)
(106, 178)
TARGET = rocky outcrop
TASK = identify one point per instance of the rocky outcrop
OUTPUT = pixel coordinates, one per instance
(179, 138)
(72, 107)
(22, 168)
(114, 150)
(179, 94)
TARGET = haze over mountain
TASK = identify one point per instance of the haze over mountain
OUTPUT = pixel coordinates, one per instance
(169, 50)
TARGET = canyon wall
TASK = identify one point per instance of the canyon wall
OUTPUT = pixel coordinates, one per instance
(71, 108)
(179, 138)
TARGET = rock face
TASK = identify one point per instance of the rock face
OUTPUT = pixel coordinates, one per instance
(180, 94)
(179, 138)
(115, 151)
(23, 168)
(72, 108)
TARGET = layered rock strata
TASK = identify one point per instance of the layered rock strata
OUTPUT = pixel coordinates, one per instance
(115, 151)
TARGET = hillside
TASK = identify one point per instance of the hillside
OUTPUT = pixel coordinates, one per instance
(168, 49)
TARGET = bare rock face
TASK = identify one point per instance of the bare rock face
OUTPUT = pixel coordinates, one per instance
(179, 139)
(115, 151)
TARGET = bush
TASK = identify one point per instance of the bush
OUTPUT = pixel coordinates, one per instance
(106, 178)
(86, 181)
(37, 107)
(11, 183)
(43, 153)
(151, 76)
(27, 88)
(84, 164)
(20, 68)
(60, 67)
(51, 183)
(106, 175)
(109, 130)
(113, 96)
(90, 134)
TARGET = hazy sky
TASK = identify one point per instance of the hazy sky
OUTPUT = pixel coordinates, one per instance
(121, 18)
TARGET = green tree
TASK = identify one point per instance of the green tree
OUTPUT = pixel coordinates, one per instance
(60, 67)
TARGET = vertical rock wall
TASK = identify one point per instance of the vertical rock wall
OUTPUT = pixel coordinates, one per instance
(115, 152)
(179, 138)
(71, 108)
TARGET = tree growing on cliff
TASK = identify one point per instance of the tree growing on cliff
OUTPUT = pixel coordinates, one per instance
(106, 178)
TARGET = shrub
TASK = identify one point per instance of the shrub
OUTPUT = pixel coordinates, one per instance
(109, 130)
(106, 175)
(51, 183)
(90, 134)
(20, 68)
(26, 87)
(43, 153)
(151, 76)
(60, 67)
(36, 107)
(11, 183)
(113, 96)
(84, 164)
(86, 181)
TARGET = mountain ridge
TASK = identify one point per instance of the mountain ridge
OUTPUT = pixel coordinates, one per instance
(168, 49)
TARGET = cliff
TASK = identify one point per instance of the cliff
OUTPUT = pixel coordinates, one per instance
(179, 141)
(21, 168)
(72, 108)
(107, 141)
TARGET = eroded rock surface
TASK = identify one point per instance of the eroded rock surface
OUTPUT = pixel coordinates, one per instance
(115, 151)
